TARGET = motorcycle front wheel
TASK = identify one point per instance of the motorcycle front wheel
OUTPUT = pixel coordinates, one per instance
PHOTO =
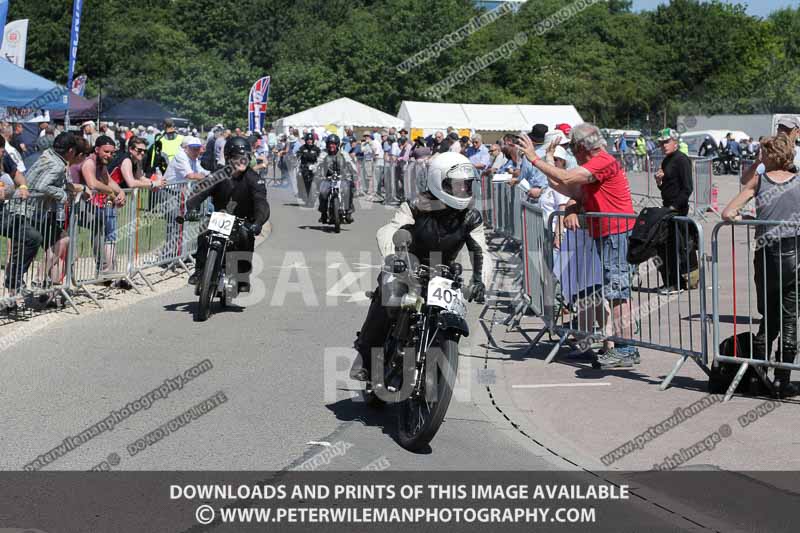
(208, 283)
(336, 216)
(422, 414)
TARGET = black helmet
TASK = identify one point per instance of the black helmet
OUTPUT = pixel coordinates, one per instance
(236, 146)
(332, 139)
(308, 137)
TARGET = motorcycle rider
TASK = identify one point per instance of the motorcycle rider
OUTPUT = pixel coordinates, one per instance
(335, 162)
(308, 154)
(441, 221)
(244, 195)
(708, 148)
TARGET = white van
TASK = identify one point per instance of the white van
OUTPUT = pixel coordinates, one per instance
(695, 138)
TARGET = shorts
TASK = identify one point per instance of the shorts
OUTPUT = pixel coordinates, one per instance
(106, 218)
(613, 250)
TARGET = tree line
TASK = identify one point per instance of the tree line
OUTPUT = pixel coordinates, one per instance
(618, 67)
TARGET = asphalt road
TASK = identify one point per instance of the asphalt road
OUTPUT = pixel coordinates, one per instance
(275, 361)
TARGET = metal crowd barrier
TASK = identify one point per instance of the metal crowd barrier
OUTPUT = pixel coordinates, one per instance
(576, 300)
(55, 249)
(34, 250)
(482, 191)
(158, 238)
(98, 250)
(415, 179)
(703, 174)
(756, 282)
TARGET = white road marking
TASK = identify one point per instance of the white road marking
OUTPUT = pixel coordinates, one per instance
(554, 385)
(318, 443)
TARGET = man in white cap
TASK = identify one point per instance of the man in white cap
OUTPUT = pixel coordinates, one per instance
(185, 166)
(87, 130)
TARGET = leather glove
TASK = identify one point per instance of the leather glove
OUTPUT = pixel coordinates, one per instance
(255, 229)
(394, 264)
(477, 292)
(179, 219)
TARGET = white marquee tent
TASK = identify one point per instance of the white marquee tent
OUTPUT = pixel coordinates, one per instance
(340, 113)
(431, 116)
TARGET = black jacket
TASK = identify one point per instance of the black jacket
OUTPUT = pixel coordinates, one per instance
(677, 186)
(439, 235)
(308, 155)
(244, 195)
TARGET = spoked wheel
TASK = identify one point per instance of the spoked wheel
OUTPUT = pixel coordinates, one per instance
(336, 216)
(207, 287)
(422, 414)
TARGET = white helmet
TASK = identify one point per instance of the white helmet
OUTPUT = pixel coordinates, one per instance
(450, 176)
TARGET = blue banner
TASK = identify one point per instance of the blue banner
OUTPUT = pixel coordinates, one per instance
(73, 39)
(3, 15)
(257, 104)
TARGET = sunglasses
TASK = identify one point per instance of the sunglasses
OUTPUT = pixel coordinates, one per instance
(139, 150)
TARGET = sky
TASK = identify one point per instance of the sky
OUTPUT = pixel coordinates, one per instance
(760, 8)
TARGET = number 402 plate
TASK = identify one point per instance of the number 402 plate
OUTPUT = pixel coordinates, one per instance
(221, 223)
(442, 294)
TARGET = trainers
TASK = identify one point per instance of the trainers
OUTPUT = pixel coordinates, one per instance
(323, 219)
(613, 359)
(669, 291)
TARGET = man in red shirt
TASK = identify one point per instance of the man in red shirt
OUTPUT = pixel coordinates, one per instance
(599, 185)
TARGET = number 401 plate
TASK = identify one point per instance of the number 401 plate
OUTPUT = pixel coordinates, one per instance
(221, 223)
(442, 294)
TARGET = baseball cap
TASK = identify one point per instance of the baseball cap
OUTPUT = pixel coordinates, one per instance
(668, 134)
(789, 122)
(566, 129)
(556, 134)
(193, 142)
(560, 153)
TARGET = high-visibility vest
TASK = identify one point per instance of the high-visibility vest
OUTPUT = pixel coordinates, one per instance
(641, 146)
(170, 147)
(683, 147)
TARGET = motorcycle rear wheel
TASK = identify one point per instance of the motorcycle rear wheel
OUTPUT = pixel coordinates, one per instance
(420, 418)
(207, 287)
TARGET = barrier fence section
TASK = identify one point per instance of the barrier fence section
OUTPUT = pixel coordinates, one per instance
(703, 174)
(35, 253)
(54, 248)
(580, 282)
(757, 279)
(98, 250)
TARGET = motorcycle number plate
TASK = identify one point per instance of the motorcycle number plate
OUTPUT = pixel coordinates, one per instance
(442, 294)
(221, 223)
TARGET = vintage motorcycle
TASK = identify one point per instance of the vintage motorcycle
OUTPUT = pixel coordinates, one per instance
(215, 280)
(420, 355)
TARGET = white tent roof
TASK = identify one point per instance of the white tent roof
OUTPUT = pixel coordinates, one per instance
(510, 117)
(341, 112)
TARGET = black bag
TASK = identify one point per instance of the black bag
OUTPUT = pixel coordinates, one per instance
(722, 374)
(648, 234)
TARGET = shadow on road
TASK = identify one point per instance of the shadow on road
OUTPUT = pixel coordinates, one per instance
(383, 417)
(324, 229)
(190, 307)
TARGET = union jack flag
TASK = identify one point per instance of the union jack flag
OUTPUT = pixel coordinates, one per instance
(257, 104)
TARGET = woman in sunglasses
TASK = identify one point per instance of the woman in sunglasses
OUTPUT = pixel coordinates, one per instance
(128, 171)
